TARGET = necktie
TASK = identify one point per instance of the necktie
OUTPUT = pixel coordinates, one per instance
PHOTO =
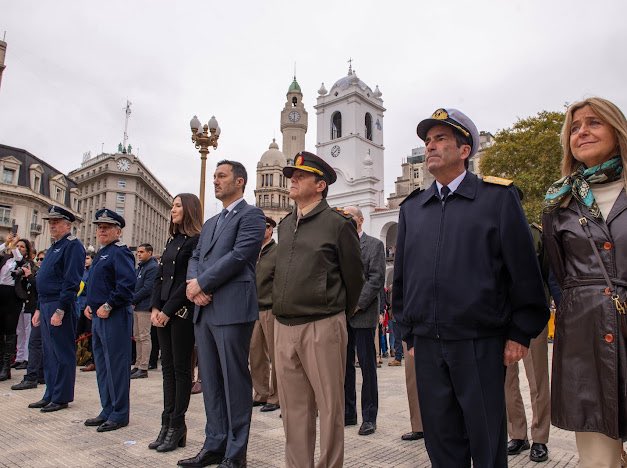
(444, 193)
(223, 214)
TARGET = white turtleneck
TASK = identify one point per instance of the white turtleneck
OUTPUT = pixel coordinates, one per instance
(606, 195)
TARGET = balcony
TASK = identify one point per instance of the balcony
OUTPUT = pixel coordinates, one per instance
(35, 228)
(6, 222)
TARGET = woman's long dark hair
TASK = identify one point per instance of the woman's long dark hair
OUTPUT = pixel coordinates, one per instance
(192, 216)
(29, 249)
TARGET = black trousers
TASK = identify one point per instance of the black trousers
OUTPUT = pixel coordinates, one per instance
(10, 308)
(154, 351)
(176, 340)
(463, 401)
(35, 368)
(361, 339)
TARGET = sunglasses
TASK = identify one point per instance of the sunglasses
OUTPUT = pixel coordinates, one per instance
(40, 259)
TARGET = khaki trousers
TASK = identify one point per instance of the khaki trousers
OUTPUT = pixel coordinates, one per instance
(262, 368)
(537, 369)
(412, 391)
(143, 342)
(311, 366)
(597, 450)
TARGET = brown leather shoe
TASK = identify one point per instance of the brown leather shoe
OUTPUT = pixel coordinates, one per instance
(197, 387)
(89, 368)
(394, 363)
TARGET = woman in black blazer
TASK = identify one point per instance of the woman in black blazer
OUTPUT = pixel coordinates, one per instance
(172, 313)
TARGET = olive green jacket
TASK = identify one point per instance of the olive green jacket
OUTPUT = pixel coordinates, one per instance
(265, 275)
(318, 270)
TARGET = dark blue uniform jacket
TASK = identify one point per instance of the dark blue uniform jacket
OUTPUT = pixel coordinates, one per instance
(112, 278)
(467, 269)
(146, 275)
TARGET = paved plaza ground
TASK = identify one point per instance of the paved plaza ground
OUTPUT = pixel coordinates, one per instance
(29, 438)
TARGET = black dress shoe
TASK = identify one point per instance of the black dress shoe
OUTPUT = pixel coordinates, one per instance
(152, 366)
(110, 426)
(21, 365)
(51, 407)
(139, 374)
(94, 422)
(269, 407)
(259, 403)
(539, 453)
(367, 428)
(39, 404)
(232, 463)
(203, 458)
(515, 446)
(24, 385)
(413, 436)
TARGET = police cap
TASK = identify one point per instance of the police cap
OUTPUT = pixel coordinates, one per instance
(107, 216)
(56, 212)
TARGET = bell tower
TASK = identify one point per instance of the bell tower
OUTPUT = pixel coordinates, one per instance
(293, 122)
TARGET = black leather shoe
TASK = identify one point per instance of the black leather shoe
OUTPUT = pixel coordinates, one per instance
(175, 437)
(39, 404)
(152, 366)
(159, 440)
(413, 436)
(232, 463)
(21, 365)
(203, 458)
(24, 385)
(259, 403)
(139, 374)
(269, 407)
(367, 428)
(51, 407)
(110, 426)
(539, 453)
(350, 421)
(515, 446)
(94, 422)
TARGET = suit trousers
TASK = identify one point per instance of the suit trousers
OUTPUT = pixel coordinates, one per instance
(111, 342)
(311, 365)
(537, 369)
(176, 341)
(262, 367)
(59, 351)
(462, 401)
(412, 392)
(226, 385)
(361, 339)
(141, 333)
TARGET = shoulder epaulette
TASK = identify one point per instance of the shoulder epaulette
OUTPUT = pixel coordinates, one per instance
(537, 226)
(343, 213)
(71, 238)
(498, 181)
(120, 244)
(412, 195)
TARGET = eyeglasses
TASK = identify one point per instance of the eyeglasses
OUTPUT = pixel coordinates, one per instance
(40, 259)
(268, 225)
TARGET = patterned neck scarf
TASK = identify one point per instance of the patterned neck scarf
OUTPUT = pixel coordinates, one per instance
(578, 185)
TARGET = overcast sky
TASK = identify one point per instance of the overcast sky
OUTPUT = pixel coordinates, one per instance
(71, 65)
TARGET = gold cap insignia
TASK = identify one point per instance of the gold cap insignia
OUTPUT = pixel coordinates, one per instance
(440, 114)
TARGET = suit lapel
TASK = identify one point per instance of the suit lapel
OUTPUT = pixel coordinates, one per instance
(234, 213)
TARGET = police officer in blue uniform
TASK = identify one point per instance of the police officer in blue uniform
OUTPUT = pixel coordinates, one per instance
(58, 282)
(468, 295)
(109, 294)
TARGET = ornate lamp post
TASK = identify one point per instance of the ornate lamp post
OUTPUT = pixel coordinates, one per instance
(204, 137)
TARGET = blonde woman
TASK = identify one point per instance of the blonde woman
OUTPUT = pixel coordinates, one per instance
(585, 228)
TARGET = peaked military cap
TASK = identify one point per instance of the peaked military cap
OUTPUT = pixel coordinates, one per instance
(457, 120)
(107, 216)
(309, 162)
(56, 212)
(270, 221)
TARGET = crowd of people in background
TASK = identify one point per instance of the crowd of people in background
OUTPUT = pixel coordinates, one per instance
(283, 319)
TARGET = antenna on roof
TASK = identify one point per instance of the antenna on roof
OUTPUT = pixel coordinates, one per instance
(127, 110)
(294, 70)
(350, 66)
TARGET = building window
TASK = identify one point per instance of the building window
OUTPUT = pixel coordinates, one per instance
(336, 125)
(7, 176)
(37, 184)
(5, 215)
(121, 198)
(270, 180)
(59, 195)
(368, 123)
(121, 183)
(120, 211)
(35, 217)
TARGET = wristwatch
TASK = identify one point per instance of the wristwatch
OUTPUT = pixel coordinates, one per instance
(60, 313)
(107, 307)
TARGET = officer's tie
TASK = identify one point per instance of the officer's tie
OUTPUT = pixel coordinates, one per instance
(444, 193)
(223, 214)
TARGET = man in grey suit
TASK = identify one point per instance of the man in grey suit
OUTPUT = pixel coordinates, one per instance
(361, 331)
(221, 282)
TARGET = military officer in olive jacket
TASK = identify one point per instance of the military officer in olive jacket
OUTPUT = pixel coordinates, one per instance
(317, 282)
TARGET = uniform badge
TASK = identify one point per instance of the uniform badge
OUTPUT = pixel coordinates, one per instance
(299, 160)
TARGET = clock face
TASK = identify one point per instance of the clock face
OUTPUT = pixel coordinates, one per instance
(335, 151)
(294, 116)
(123, 164)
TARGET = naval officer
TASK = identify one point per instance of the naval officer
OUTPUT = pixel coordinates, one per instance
(58, 281)
(109, 294)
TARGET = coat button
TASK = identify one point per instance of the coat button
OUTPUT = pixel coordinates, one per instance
(607, 245)
(171, 277)
(609, 338)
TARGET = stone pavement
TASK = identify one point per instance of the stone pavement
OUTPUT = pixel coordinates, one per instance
(30, 438)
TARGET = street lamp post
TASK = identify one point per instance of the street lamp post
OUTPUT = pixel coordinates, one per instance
(204, 137)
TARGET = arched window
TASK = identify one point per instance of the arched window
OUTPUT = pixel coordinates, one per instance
(336, 125)
(368, 122)
(294, 101)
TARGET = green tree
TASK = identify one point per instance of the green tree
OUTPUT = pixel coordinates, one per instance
(529, 153)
